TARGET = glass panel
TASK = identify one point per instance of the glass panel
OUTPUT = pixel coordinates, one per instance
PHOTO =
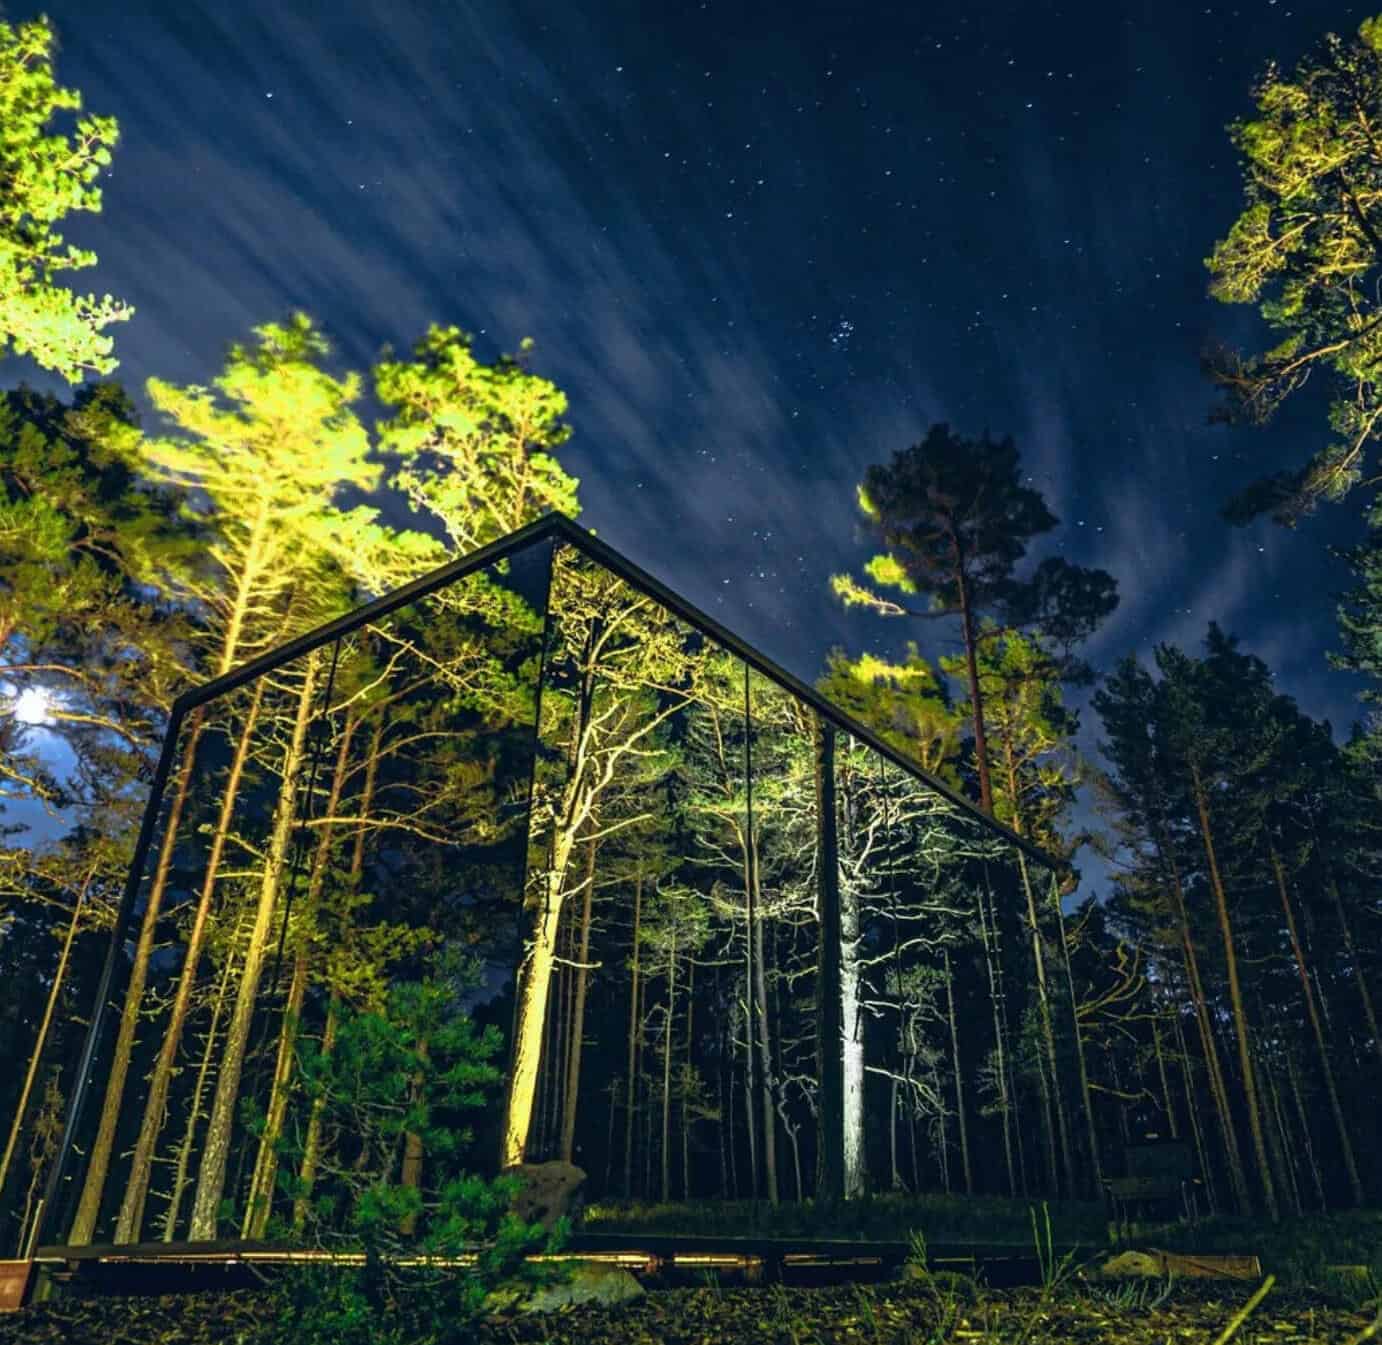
(786, 936)
(616, 917)
(539, 799)
(69, 975)
(898, 868)
(719, 1080)
(955, 1037)
(343, 826)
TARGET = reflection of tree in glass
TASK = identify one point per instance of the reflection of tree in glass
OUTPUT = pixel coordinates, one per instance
(618, 669)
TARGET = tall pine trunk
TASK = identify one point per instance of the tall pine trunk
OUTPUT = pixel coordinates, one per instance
(211, 1176)
(686, 1081)
(1306, 1133)
(976, 698)
(1359, 977)
(765, 1057)
(1082, 1065)
(112, 1100)
(631, 1089)
(1167, 1106)
(831, 1178)
(855, 1152)
(1307, 989)
(1278, 1140)
(246, 585)
(533, 987)
(534, 977)
(999, 1042)
(1208, 1043)
(667, 1035)
(311, 1148)
(259, 1202)
(852, 1013)
(1240, 1018)
(49, 1008)
(960, 1116)
(1053, 1094)
(183, 1162)
(573, 1072)
(1192, 1106)
(131, 1216)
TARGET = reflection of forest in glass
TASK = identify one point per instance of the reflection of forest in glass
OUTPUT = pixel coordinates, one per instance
(756, 957)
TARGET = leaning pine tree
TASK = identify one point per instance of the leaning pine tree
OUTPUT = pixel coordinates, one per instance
(267, 448)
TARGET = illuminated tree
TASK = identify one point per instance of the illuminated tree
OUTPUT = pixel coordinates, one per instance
(83, 629)
(91, 655)
(65, 891)
(294, 443)
(612, 649)
(1306, 249)
(427, 703)
(674, 930)
(267, 450)
(955, 520)
(44, 176)
(904, 703)
(751, 811)
(476, 442)
(1035, 781)
(1030, 732)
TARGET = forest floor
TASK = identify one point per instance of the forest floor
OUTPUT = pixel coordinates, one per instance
(1327, 1273)
(892, 1314)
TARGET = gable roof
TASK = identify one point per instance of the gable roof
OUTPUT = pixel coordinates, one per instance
(558, 528)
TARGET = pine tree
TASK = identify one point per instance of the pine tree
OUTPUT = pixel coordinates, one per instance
(48, 174)
(955, 520)
(904, 703)
(1199, 734)
(92, 655)
(1306, 250)
(1035, 778)
(1145, 791)
(476, 443)
(616, 671)
(267, 450)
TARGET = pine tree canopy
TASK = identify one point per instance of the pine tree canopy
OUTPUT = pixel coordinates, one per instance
(1307, 249)
(44, 176)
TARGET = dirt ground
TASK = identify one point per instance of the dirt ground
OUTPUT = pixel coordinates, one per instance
(896, 1314)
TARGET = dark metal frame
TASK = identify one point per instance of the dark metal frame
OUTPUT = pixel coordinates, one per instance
(559, 530)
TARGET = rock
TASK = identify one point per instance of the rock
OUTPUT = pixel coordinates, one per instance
(1154, 1263)
(549, 1191)
(1128, 1265)
(588, 1283)
(949, 1283)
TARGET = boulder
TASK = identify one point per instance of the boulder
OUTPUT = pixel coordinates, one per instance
(549, 1191)
(588, 1282)
(1154, 1263)
(1131, 1265)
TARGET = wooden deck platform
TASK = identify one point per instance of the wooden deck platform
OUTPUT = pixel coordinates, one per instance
(165, 1267)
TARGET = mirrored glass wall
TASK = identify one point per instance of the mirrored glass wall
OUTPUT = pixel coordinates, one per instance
(727, 946)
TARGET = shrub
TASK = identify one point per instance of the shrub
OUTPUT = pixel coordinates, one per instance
(393, 1094)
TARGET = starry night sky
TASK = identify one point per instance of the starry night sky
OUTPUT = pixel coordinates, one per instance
(760, 246)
